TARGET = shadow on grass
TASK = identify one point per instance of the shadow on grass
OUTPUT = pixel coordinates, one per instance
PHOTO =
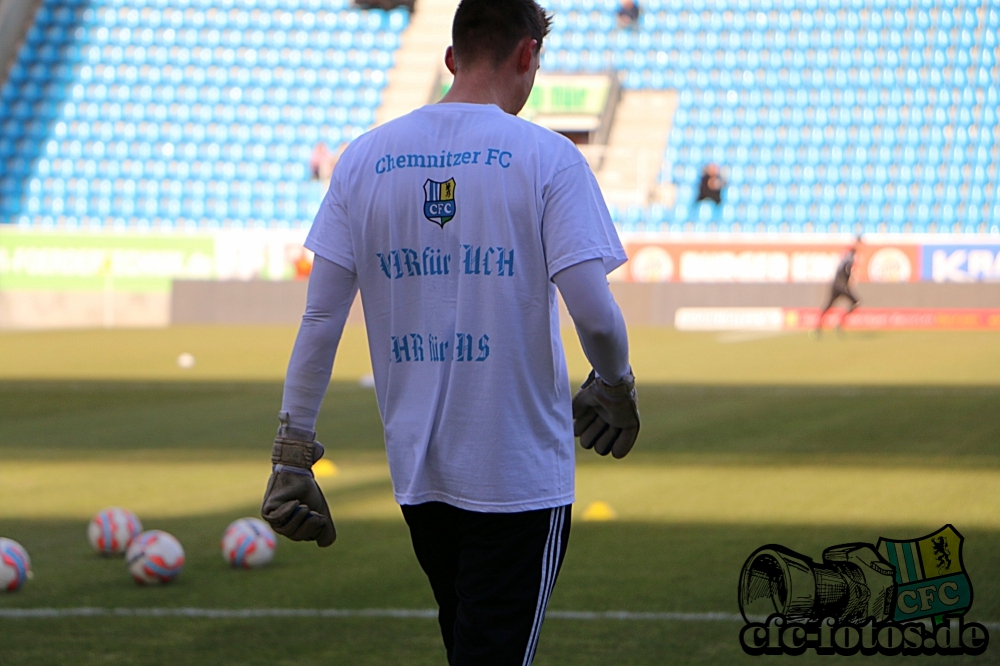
(609, 566)
(94, 418)
(81, 419)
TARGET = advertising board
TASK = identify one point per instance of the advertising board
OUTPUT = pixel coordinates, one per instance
(653, 260)
(148, 261)
(881, 319)
(778, 319)
(86, 262)
(145, 262)
(961, 263)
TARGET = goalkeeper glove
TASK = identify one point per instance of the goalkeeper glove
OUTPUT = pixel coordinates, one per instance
(294, 505)
(606, 417)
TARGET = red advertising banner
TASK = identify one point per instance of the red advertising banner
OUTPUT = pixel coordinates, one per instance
(896, 318)
(807, 319)
(775, 262)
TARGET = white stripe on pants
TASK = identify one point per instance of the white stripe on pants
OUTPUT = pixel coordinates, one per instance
(550, 568)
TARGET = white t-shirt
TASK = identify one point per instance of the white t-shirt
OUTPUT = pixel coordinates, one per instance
(455, 217)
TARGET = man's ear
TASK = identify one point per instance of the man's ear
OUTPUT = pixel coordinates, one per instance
(449, 60)
(525, 54)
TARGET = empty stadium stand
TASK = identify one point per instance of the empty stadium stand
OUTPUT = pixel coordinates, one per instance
(826, 115)
(185, 113)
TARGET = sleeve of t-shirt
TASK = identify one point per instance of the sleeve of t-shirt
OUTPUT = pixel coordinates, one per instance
(576, 226)
(330, 235)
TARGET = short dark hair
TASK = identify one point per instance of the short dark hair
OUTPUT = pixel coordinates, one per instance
(492, 28)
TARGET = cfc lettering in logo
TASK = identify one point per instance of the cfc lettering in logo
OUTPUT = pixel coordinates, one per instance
(439, 201)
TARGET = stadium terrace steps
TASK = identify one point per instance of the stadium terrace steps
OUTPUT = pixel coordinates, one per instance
(631, 160)
(15, 17)
(419, 59)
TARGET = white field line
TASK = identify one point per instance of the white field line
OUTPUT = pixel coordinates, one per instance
(406, 613)
(238, 613)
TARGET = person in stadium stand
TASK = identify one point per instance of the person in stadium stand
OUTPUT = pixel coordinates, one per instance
(841, 288)
(459, 222)
(323, 160)
(319, 161)
(628, 13)
(710, 187)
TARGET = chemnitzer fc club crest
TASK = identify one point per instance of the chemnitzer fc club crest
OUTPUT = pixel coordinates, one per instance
(439, 201)
(930, 575)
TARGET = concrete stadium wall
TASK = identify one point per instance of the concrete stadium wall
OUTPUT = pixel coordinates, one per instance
(261, 302)
(242, 302)
(33, 310)
(236, 302)
(15, 18)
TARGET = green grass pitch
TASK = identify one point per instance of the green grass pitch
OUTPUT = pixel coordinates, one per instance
(746, 440)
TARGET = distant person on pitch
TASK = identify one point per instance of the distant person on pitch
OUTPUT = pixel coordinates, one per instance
(628, 13)
(841, 288)
(710, 187)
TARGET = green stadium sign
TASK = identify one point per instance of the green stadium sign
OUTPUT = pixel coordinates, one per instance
(61, 261)
(577, 95)
(554, 94)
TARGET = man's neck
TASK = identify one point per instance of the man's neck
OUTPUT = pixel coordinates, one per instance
(480, 86)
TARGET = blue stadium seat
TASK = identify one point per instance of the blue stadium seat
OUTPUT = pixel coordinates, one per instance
(814, 108)
(127, 91)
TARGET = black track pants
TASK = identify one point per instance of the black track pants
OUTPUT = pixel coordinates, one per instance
(492, 575)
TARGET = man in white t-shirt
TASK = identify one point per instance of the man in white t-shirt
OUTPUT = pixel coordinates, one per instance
(458, 222)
